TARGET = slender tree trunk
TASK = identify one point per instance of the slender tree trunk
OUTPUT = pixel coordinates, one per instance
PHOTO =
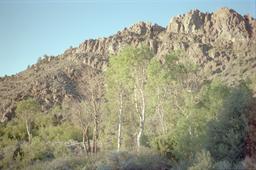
(28, 128)
(120, 122)
(87, 148)
(142, 119)
(89, 145)
(95, 135)
(140, 132)
(84, 144)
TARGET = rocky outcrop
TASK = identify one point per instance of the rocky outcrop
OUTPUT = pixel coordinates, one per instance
(224, 23)
(221, 43)
(134, 35)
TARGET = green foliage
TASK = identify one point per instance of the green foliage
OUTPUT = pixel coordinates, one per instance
(47, 142)
(121, 70)
(56, 115)
(126, 71)
(203, 161)
(212, 97)
(63, 132)
(123, 67)
(157, 75)
(198, 109)
(22, 154)
(165, 145)
(6, 155)
(180, 67)
(226, 134)
(37, 151)
(14, 130)
(158, 80)
(27, 108)
(26, 111)
(189, 135)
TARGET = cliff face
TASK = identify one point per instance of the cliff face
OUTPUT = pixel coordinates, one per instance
(223, 43)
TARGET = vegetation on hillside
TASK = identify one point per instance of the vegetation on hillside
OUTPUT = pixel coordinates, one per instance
(141, 113)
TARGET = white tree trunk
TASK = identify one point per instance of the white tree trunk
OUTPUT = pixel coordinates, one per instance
(119, 136)
(28, 131)
(84, 144)
(142, 119)
(96, 130)
(140, 132)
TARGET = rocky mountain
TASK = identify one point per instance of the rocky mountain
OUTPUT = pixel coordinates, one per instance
(222, 43)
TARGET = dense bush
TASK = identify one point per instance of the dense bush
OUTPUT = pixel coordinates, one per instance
(202, 161)
(63, 132)
(165, 146)
(226, 134)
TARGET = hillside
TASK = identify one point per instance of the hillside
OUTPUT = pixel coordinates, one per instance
(222, 43)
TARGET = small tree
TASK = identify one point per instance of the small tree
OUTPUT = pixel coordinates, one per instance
(82, 119)
(26, 111)
(118, 88)
(127, 79)
(138, 61)
(93, 103)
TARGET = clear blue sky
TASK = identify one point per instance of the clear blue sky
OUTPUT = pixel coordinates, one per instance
(31, 28)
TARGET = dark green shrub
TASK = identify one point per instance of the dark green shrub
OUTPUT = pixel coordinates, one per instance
(165, 145)
(63, 132)
(226, 134)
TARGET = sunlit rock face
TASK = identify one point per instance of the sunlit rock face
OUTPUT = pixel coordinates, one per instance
(224, 23)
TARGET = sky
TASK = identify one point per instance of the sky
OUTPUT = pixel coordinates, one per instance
(31, 28)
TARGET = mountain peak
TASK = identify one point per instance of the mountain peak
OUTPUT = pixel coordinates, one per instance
(224, 23)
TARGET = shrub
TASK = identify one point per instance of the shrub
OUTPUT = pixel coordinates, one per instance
(181, 165)
(13, 131)
(203, 161)
(6, 160)
(226, 134)
(223, 165)
(165, 145)
(37, 151)
(129, 161)
(62, 163)
(63, 132)
(26, 111)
